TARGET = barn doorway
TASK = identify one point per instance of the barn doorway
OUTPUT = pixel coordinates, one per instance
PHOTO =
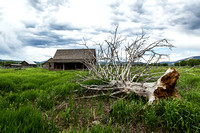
(69, 66)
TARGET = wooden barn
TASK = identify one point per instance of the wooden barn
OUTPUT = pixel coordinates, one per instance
(23, 64)
(13, 66)
(28, 64)
(70, 59)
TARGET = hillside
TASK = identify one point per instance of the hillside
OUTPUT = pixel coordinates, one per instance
(18, 61)
(192, 57)
(170, 63)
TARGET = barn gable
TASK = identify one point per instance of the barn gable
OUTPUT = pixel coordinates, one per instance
(65, 59)
(28, 64)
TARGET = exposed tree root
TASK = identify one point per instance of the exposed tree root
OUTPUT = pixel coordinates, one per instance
(163, 88)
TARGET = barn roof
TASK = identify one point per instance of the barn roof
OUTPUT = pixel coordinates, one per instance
(74, 55)
(30, 62)
(13, 64)
(48, 60)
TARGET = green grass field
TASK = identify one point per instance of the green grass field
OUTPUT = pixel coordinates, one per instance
(38, 100)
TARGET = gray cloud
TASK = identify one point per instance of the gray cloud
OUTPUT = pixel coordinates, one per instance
(69, 27)
(118, 15)
(42, 6)
(115, 8)
(56, 2)
(1, 14)
(36, 4)
(9, 42)
(29, 25)
(138, 6)
(193, 19)
(46, 39)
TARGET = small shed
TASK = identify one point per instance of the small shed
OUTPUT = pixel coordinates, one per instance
(28, 64)
(13, 66)
(70, 59)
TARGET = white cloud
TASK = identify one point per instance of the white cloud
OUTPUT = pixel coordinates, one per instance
(43, 25)
(37, 54)
(85, 13)
(183, 40)
(8, 38)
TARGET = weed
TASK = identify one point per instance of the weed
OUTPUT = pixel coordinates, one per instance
(68, 112)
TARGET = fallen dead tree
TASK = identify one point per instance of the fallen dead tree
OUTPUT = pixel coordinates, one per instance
(127, 69)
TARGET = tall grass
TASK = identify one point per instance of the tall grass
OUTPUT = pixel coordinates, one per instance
(38, 100)
(178, 116)
(24, 119)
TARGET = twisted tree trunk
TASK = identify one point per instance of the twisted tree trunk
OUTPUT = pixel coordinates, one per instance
(163, 88)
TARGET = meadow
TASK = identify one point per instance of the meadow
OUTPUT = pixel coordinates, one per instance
(38, 100)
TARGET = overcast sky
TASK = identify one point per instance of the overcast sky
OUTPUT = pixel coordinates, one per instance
(34, 29)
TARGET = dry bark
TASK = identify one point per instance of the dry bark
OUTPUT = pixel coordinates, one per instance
(123, 75)
(163, 88)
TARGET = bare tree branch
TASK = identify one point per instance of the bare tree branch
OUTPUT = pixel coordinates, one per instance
(125, 66)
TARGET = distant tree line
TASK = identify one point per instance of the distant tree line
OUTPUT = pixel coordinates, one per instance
(160, 64)
(190, 62)
(2, 63)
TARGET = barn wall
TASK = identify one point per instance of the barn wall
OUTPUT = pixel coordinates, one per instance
(45, 65)
(51, 67)
(48, 65)
(24, 64)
